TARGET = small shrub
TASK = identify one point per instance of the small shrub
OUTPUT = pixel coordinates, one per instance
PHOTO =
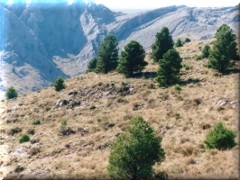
(31, 131)
(34, 151)
(178, 89)
(199, 57)
(66, 131)
(36, 122)
(24, 138)
(59, 84)
(19, 169)
(187, 40)
(11, 93)
(220, 137)
(64, 123)
(179, 43)
(14, 131)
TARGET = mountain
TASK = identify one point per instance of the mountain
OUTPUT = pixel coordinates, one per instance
(42, 41)
(71, 131)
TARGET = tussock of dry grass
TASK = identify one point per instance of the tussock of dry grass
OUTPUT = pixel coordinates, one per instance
(182, 119)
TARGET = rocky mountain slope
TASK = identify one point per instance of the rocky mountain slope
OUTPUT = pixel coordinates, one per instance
(42, 41)
(71, 131)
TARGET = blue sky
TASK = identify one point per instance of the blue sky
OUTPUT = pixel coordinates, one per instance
(143, 4)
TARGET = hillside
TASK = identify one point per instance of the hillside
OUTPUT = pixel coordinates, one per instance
(97, 107)
(59, 40)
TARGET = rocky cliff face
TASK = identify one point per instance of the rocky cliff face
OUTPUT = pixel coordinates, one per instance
(42, 41)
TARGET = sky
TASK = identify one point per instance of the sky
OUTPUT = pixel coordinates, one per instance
(145, 4)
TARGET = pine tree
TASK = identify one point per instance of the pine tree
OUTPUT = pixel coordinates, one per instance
(92, 65)
(206, 51)
(224, 49)
(11, 93)
(107, 54)
(179, 43)
(162, 44)
(187, 40)
(169, 68)
(59, 84)
(132, 59)
(135, 151)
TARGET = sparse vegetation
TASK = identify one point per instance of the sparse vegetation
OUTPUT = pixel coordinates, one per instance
(169, 68)
(107, 55)
(132, 59)
(220, 137)
(11, 93)
(135, 152)
(162, 44)
(59, 84)
(106, 104)
(224, 49)
(24, 138)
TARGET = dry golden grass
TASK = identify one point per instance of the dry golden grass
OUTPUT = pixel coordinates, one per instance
(182, 119)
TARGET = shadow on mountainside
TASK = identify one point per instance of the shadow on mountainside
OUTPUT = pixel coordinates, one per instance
(189, 81)
(146, 75)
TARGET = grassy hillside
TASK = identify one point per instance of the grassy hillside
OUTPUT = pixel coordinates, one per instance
(78, 124)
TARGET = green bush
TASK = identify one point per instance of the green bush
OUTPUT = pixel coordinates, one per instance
(187, 40)
(64, 123)
(11, 93)
(178, 89)
(179, 43)
(206, 51)
(135, 151)
(24, 138)
(220, 137)
(59, 84)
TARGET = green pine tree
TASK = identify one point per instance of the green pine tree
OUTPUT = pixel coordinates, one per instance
(162, 44)
(169, 68)
(11, 93)
(132, 59)
(92, 65)
(59, 84)
(179, 43)
(135, 151)
(107, 54)
(224, 49)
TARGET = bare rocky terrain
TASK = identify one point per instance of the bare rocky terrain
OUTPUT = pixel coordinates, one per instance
(42, 41)
(71, 131)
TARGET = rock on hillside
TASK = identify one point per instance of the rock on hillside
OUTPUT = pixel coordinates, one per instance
(42, 41)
